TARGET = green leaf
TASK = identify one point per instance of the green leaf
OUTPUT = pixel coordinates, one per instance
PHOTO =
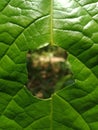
(30, 24)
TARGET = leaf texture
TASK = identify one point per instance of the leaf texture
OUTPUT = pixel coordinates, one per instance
(30, 24)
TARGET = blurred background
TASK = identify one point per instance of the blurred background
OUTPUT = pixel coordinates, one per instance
(48, 71)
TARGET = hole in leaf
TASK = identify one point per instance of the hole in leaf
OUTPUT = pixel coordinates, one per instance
(48, 71)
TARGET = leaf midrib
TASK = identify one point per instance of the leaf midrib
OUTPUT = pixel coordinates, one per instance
(51, 23)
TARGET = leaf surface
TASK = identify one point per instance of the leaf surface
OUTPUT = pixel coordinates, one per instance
(30, 24)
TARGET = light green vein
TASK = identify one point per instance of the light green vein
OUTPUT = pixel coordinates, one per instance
(51, 23)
